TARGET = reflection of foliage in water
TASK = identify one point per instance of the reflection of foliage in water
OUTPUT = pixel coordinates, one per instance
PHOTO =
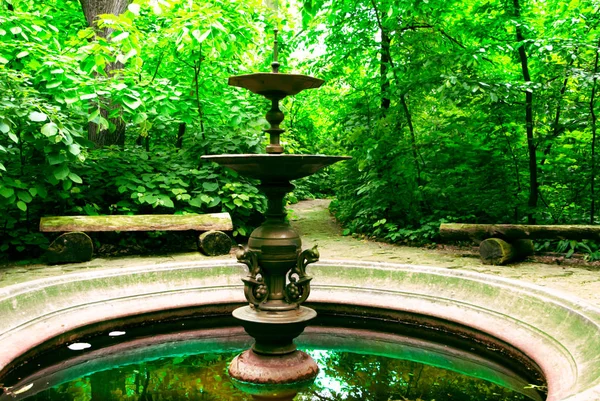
(352, 377)
(201, 377)
(344, 376)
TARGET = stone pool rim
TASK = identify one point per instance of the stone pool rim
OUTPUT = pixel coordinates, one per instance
(560, 333)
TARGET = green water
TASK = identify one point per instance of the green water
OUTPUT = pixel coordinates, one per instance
(343, 376)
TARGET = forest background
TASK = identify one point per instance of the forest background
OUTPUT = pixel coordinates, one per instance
(477, 111)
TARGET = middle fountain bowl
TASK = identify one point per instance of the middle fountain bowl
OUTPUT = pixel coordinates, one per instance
(277, 282)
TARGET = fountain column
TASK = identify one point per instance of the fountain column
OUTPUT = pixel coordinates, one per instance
(277, 282)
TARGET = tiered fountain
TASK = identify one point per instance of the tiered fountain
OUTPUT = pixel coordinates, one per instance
(277, 283)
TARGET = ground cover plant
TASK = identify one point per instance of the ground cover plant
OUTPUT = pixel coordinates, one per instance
(473, 111)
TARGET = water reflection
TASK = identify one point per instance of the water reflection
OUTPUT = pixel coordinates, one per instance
(344, 376)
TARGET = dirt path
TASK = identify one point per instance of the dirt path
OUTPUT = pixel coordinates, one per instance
(315, 224)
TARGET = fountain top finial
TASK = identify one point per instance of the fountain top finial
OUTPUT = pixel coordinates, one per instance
(275, 64)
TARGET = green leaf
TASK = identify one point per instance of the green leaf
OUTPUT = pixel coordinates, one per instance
(75, 178)
(210, 186)
(61, 172)
(216, 200)
(53, 84)
(94, 115)
(4, 127)
(55, 158)
(131, 102)
(41, 191)
(24, 196)
(22, 205)
(166, 201)
(149, 198)
(7, 192)
(139, 118)
(15, 30)
(201, 37)
(23, 54)
(13, 137)
(74, 149)
(3, 60)
(37, 116)
(196, 202)
(71, 100)
(120, 37)
(102, 123)
(49, 129)
(88, 96)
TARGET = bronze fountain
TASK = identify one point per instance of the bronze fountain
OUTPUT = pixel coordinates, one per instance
(277, 283)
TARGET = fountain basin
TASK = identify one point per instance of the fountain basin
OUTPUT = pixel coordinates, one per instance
(275, 167)
(177, 352)
(268, 83)
(560, 334)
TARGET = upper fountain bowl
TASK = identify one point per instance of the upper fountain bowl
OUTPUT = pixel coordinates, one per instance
(275, 167)
(269, 83)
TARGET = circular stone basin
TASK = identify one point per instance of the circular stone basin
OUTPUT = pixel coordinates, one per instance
(557, 333)
(355, 363)
(275, 167)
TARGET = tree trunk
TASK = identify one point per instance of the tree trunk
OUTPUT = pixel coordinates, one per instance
(91, 10)
(383, 69)
(413, 138)
(531, 147)
(386, 62)
(593, 161)
(180, 134)
(510, 232)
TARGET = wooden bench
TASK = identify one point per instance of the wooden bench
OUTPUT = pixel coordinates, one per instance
(502, 243)
(76, 246)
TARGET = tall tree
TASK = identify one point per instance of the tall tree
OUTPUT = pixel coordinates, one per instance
(115, 135)
(531, 146)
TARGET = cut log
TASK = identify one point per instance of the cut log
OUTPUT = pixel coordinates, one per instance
(523, 247)
(74, 247)
(213, 243)
(152, 222)
(509, 232)
(495, 251)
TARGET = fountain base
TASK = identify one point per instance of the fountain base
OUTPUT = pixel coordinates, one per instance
(274, 332)
(273, 377)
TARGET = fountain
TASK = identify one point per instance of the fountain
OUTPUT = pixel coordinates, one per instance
(277, 283)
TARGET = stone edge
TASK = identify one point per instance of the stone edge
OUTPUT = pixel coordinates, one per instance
(559, 332)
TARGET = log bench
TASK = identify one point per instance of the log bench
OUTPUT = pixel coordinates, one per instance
(503, 243)
(76, 246)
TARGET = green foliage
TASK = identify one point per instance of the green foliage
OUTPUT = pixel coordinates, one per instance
(161, 70)
(590, 249)
(429, 98)
(435, 118)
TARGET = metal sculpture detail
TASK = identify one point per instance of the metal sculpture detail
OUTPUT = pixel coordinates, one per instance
(255, 289)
